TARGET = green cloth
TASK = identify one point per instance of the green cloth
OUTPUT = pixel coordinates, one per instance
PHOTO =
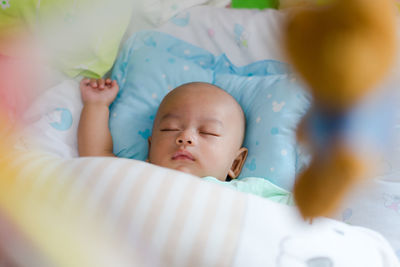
(260, 4)
(81, 37)
(257, 186)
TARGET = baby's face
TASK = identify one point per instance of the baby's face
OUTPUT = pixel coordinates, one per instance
(198, 130)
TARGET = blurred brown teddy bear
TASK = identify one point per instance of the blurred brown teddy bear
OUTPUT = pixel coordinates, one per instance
(342, 51)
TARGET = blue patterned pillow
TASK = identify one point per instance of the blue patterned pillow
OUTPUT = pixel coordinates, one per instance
(153, 63)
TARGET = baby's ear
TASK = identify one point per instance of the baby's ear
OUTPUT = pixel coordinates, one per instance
(238, 163)
(149, 145)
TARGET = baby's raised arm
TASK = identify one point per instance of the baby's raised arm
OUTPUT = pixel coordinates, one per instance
(94, 137)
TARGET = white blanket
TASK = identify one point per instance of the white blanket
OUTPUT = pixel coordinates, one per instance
(168, 218)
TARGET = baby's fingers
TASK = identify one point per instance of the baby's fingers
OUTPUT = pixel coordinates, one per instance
(108, 82)
(100, 83)
(93, 83)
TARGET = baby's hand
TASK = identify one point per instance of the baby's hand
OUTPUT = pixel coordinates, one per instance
(98, 91)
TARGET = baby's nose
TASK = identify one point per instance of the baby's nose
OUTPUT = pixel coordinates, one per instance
(185, 139)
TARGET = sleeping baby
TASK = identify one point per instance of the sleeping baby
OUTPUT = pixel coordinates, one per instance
(198, 129)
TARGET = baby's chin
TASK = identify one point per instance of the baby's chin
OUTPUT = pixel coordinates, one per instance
(174, 166)
(182, 167)
(187, 170)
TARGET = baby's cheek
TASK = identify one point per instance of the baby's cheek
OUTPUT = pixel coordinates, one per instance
(154, 154)
(216, 158)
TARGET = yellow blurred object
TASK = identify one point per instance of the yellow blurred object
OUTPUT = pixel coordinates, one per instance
(36, 232)
(342, 51)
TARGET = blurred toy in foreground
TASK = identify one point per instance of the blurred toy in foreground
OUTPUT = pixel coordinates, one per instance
(342, 51)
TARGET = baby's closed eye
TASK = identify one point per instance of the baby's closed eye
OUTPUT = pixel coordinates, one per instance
(169, 129)
(210, 132)
(169, 126)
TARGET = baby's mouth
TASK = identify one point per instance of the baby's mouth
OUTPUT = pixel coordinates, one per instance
(182, 155)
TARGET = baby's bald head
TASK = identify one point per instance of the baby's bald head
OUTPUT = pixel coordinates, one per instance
(198, 91)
